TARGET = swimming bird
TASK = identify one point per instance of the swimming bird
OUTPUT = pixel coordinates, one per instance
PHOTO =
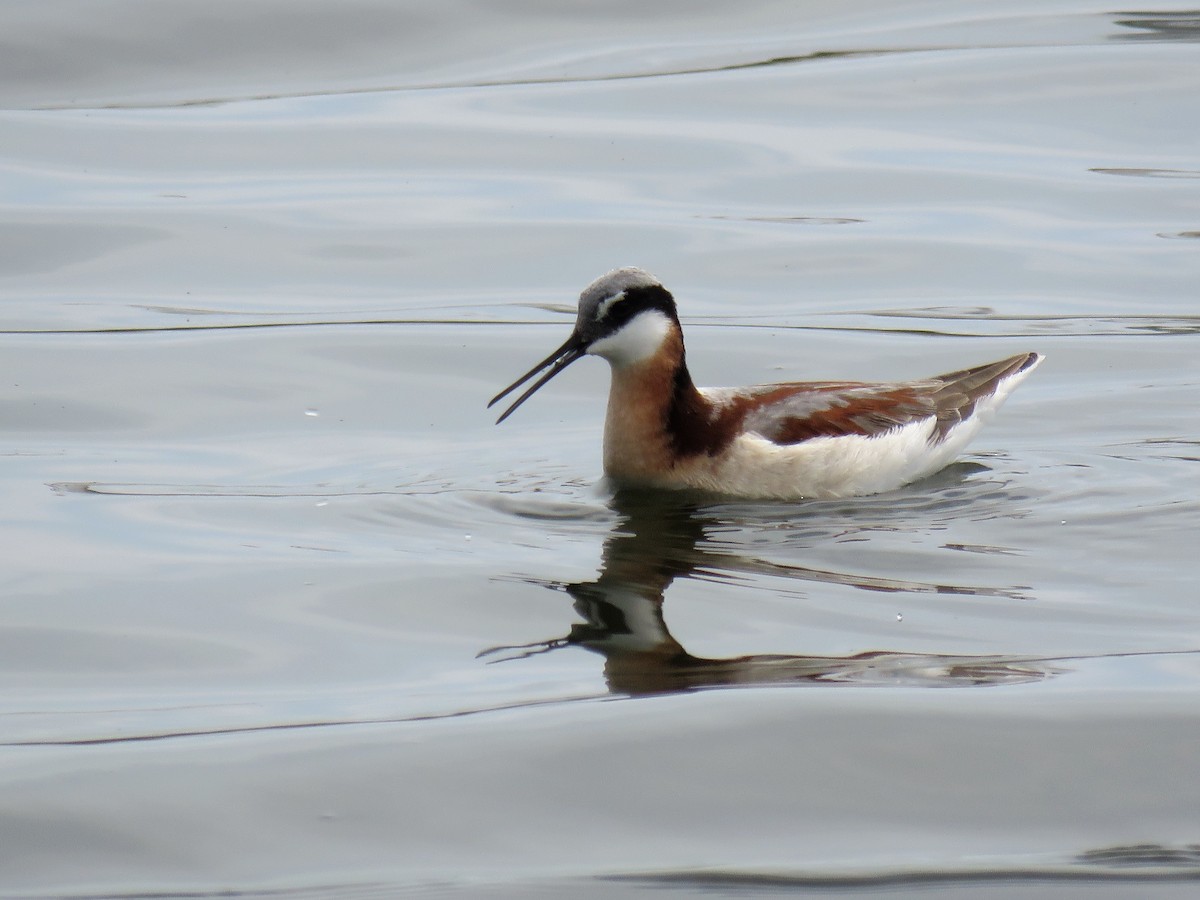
(774, 441)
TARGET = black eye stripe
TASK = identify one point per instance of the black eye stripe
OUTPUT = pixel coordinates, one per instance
(621, 312)
(607, 304)
(616, 310)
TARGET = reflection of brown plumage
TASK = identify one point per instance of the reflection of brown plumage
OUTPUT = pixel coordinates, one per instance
(658, 541)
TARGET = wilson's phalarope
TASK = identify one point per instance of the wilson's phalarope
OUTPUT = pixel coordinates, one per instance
(782, 441)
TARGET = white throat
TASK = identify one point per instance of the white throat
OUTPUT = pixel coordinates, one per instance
(639, 339)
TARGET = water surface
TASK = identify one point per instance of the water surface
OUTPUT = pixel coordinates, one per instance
(285, 614)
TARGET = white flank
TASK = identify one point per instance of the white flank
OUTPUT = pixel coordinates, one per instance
(842, 466)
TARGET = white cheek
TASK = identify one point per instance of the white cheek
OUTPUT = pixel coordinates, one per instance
(638, 340)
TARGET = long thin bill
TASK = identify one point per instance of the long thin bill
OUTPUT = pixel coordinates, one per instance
(558, 360)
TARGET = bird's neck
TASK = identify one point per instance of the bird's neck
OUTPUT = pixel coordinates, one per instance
(651, 405)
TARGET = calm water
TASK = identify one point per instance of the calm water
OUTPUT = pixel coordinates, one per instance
(284, 614)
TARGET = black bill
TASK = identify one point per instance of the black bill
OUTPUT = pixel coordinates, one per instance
(557, 361)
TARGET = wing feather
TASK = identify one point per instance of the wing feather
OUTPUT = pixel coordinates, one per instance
(797, 412)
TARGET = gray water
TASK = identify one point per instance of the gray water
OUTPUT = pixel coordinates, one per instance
(285, 614)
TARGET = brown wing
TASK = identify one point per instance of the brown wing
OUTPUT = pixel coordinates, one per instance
(957, 393)
(792, 413)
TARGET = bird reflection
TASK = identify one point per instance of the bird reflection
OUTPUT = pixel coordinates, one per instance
(660, 538)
